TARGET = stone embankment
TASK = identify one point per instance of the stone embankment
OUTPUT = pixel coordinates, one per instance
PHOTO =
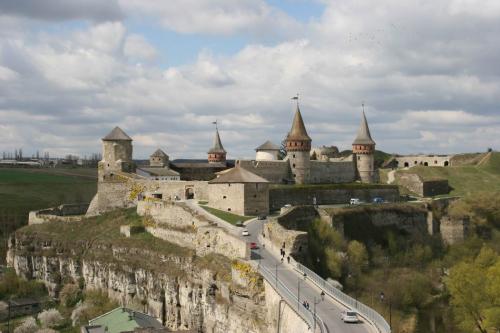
(64, 213)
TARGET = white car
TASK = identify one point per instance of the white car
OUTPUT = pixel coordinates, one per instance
(350, 316)
(245, 232)
(355, 201)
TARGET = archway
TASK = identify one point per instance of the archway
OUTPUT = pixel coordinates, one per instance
(446, 163)
(406, 164)
(426, 164)
(189, 193)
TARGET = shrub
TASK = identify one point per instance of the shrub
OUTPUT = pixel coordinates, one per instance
(50, 318)
(70, 295)
(28, 326)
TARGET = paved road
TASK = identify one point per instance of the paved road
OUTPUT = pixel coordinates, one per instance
(328, 310)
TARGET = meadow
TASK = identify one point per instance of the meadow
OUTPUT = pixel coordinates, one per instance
(23, 190)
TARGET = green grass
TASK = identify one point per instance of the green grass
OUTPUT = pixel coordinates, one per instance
(226, 216)
(23, 190)
(465, 179)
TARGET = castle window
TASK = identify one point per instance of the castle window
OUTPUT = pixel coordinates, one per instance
(229, 209)
(293, 155)
(223, 197)
(435, 162)
(255, 195)
(293, 165)
(294, 176)
(359, 158)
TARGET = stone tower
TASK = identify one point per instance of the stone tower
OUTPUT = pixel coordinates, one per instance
(298, 148)
(116, 154)
(158, 159)
(217, 154)
(363, 149)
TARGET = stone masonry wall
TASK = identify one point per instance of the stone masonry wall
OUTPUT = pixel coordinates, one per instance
(332, 172)
(177, 223)
(279, 197)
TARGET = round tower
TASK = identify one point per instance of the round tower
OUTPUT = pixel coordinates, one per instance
(298, 148)
(217, 154)
(363, 149)
(116, 153)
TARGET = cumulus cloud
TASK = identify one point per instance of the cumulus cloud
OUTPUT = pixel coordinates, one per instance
(427, 73)
(138, 48)
(60, 10)
(216, 17)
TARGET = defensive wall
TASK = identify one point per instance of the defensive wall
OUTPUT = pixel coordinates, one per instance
(124, 190)
(328, 194)
(423, 187)
(324, 172)
(369, 222)
(176, 222)
(290, 229)
(274, 171)
(425, 160)
(67, 212)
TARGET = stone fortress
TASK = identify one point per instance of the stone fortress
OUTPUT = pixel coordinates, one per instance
(240, 187)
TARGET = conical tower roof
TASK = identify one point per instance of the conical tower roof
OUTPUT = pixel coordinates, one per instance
(298, 131)
(217, 147)
(364, 137)
(117, 134)
(159, 153)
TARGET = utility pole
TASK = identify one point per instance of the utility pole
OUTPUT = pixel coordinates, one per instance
(298, 294)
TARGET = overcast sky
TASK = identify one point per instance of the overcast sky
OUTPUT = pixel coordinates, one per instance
(427, 71)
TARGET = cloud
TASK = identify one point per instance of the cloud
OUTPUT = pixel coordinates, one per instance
(61, 10)
(137, 47)
(428, 74)
(216, 17)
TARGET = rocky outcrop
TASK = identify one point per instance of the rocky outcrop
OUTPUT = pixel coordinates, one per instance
(184, 292)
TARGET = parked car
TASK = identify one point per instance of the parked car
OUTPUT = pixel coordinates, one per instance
(239, 223)
(349, 316)
(355, 201)
(245, 232)
(378, 200)
(253, 246)
(262, 217)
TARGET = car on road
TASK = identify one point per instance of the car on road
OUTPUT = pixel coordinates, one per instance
(262, 217)
(355, 201)
(239, 224)
(349, 316)
(245, 232)
(253, 246)
(377, 200)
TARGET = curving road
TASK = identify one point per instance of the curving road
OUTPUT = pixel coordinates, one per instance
(328, 310)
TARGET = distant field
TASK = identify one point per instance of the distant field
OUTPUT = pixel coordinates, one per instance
(466, 178)
(22, 190)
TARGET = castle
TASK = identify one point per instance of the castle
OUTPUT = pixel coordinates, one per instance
(239, 186)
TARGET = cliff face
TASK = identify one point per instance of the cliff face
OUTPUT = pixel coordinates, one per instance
(183, 291)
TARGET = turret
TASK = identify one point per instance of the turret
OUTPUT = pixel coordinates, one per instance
(298, 147)
(217, 154)
(158, 159)
(267, 151)
(116, 153)
(363, 149)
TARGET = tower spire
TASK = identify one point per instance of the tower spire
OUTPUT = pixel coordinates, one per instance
(217, 153)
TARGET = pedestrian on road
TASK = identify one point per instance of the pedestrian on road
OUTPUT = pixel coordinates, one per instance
(307, 305)
(283, 245)
(281, 259)
(288, 259)
(322, 295)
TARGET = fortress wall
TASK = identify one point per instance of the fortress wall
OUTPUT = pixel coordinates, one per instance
(177, 223)
(273, 171)
(256, 199)
(295, 241)
(227, 197)
(453, 230)
(423, 188)
(369, 223)
(173, 214)
(278, 197)
(332, 172)
(431, 160)
(170, 189)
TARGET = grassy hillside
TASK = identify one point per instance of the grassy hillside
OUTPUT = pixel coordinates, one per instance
(22, 190)
(467, 178)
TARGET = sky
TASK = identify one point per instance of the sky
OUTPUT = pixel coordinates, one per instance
(427, 71)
